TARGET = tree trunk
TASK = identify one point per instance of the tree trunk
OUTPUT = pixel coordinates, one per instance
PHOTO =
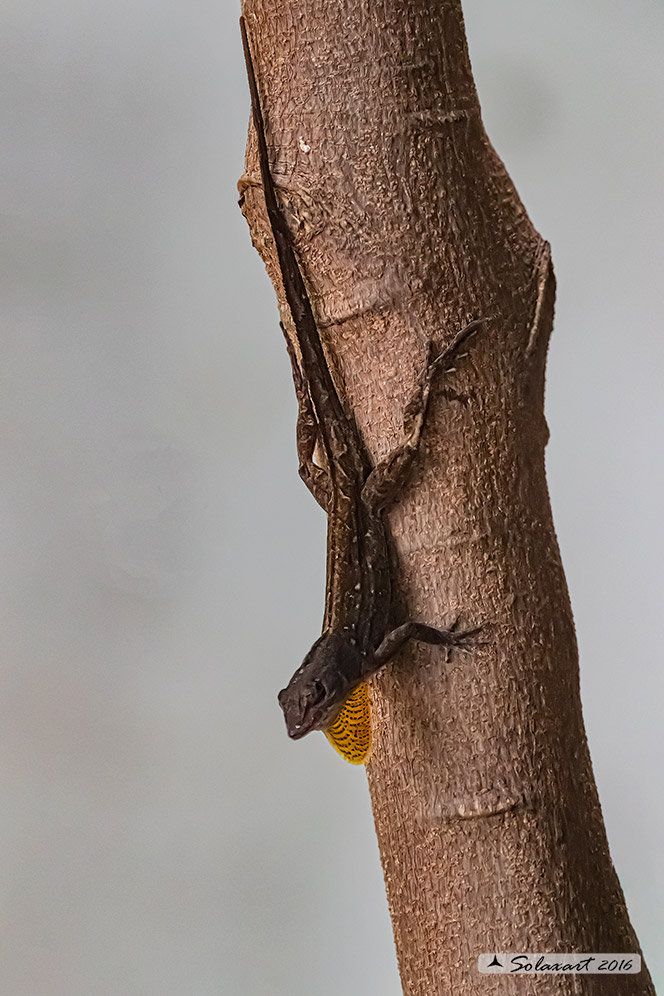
(408, 226)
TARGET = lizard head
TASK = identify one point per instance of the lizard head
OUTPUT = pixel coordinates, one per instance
(320, 686)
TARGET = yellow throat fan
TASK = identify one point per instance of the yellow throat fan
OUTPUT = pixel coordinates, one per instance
(350, 734)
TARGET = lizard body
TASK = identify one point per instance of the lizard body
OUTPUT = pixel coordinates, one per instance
(328, 691)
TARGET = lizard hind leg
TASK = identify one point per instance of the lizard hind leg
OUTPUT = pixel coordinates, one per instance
(315, 477)
(350, 734)
(385, 481)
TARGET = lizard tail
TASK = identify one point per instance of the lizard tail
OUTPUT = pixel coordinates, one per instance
(350, 734)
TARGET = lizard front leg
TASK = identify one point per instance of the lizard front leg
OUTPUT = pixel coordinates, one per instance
(306, 434)
(394, 641)
(383, 484)
(350, 734)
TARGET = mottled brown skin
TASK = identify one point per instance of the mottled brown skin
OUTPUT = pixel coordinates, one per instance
(356, 640)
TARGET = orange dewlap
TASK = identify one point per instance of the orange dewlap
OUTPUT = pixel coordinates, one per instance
(350, 734)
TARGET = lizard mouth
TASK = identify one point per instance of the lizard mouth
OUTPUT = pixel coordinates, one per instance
(305, 725)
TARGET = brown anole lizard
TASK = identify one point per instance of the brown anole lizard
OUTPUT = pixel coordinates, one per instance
(328, 691)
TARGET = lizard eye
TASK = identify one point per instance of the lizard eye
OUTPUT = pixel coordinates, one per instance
(318, 691)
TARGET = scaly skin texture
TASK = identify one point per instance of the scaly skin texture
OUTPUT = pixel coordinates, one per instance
(356, 641)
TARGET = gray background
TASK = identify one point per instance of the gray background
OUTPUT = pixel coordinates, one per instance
(162, 565)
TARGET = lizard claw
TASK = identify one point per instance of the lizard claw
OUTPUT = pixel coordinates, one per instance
(451, 350)
(464, 639)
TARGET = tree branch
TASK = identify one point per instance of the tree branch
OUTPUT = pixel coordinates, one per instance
(407, 227)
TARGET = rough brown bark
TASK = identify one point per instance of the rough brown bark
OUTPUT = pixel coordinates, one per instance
(408, 226)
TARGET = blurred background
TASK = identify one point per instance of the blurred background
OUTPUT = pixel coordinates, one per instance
(163, 566)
